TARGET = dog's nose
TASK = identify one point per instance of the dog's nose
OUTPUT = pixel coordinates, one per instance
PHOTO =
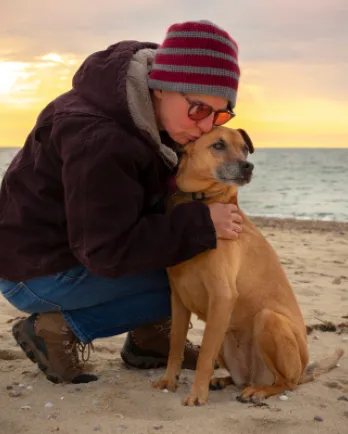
(247, 168)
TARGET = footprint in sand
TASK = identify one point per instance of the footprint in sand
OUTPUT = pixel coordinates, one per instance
(100, 348)
(333, 385)
(308, 292)
(11, 355)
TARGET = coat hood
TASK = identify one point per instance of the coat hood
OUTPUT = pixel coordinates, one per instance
(115, 80)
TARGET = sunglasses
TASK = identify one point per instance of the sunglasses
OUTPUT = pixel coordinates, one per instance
(198, 111)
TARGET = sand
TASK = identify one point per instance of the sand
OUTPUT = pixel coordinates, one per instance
(315, 256)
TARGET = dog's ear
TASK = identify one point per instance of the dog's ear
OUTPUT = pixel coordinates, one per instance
(247, 140)
(181, 149)
(184, 149)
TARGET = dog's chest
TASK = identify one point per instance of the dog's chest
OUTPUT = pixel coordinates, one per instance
(189, 286)
(198, 279)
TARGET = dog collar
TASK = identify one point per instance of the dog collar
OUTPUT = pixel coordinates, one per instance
(196, 195)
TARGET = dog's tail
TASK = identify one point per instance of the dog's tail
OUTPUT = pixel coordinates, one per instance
(322, 366)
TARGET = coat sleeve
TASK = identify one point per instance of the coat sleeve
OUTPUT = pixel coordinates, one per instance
(107, 231)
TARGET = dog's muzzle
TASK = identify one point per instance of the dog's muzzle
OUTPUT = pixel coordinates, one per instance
(238, 172)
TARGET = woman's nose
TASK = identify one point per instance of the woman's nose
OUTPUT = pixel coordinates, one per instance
(206, 124)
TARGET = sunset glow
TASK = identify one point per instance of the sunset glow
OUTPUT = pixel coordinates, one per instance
(284, 100)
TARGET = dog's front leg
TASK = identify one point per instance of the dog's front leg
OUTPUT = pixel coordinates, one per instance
(180, 325)
(221, 301)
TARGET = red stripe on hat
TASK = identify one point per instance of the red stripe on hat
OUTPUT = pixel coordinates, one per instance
(200, 27)
(187, 77)
(199, 43)
(196, 60)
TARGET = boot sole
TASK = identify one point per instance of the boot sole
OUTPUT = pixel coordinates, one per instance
(25, 347)
(148, 362)
(28, 345)
(143, 362)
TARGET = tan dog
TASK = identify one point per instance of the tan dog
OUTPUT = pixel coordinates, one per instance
(254, 326)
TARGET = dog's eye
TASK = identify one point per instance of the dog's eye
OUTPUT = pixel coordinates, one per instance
(245, 150)
(219, 146)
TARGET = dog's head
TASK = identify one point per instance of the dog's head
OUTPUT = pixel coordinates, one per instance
(218, 157)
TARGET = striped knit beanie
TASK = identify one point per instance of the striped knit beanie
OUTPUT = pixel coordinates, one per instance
(197, 57)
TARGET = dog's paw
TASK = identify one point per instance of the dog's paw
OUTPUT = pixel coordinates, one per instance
(254, 401)
(196, 399)
(258, 393)
(220, 383)
(165, 383)
(251, 394)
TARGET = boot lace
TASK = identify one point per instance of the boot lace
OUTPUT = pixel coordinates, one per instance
(74, 347)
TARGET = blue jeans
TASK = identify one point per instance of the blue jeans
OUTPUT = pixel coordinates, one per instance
(94, 306)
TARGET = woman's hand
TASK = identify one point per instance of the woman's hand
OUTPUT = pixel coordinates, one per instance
(226, 219)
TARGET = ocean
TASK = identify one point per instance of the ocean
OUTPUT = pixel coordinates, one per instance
(309, 184)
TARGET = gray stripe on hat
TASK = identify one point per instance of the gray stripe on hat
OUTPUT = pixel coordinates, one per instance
(195, 34)
(196, 52)
(211, 24)
(196, 70)
(204, 89)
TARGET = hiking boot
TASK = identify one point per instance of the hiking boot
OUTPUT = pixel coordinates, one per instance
(147, 347)
(48, 341)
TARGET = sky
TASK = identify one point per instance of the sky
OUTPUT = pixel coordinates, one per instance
(293, 56)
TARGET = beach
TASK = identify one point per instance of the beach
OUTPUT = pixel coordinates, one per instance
(315, 257)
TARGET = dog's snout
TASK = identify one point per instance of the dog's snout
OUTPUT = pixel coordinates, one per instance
(247, 167)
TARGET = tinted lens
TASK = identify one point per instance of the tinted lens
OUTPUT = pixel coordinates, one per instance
(197, 112)
(222, 117)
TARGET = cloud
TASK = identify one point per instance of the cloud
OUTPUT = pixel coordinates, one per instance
(35, 27)
(293, 55)
(32, 84)
(301, 30)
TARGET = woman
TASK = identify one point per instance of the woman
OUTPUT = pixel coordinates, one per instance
(83, 235)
